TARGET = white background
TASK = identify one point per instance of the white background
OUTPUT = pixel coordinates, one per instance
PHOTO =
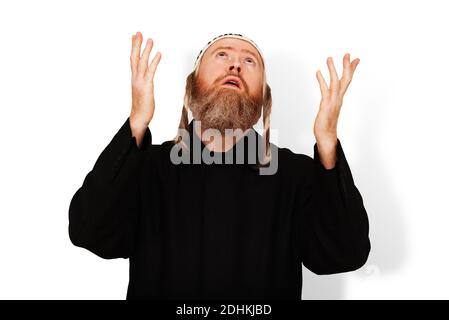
(65, 91)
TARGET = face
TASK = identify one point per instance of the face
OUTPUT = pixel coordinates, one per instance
(226, 106)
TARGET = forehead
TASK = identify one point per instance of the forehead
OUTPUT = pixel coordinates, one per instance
(236, 44)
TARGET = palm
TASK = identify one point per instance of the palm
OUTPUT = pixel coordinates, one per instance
(325, 127)
(142, 80)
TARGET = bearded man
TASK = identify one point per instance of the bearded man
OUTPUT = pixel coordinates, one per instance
(222, 229)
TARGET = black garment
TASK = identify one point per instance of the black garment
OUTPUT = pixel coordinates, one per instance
(218, 230)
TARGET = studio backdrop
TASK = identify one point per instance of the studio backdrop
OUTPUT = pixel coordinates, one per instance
(65, 90)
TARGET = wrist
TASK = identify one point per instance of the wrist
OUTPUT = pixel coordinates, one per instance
(326, 144)
(327, 150)
(137, 124)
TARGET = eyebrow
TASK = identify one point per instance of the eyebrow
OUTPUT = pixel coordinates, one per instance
(232, 48)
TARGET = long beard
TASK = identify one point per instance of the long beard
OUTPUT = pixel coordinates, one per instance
(223, 108)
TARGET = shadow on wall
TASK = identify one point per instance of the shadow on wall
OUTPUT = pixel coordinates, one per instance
(294, 110)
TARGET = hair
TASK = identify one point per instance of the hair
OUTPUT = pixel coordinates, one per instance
(266, 113)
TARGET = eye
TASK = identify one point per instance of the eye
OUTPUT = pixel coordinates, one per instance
(220, 54)
(250, 60)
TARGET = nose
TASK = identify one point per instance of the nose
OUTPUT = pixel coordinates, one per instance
(235, 66)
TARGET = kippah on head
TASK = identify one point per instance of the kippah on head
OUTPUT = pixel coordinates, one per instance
(226, 35)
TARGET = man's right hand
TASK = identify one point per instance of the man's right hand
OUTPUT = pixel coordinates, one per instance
(142, 86)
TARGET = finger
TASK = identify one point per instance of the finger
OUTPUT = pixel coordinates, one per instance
(322, 82)
(143, 64)
(354, 65)
(348, 77)
(333, 73)
(135, 52)
(346, 65)
(153, 66)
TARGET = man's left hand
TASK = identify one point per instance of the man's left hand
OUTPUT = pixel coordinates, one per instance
(325, 128)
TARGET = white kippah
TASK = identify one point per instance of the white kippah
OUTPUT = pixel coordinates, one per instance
(227, 35)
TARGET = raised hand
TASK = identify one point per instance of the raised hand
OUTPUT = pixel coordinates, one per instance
(325, 127)
(143, 104)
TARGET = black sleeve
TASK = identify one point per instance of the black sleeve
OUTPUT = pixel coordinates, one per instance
(334, 223)
(104, 212)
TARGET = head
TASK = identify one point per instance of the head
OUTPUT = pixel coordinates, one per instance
(225, 106)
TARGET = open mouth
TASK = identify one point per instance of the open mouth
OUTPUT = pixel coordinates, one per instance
(232, 84)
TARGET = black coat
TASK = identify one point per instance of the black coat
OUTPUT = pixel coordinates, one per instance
(218, 230)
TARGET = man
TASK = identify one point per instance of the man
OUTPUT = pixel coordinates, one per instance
(222, 230)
